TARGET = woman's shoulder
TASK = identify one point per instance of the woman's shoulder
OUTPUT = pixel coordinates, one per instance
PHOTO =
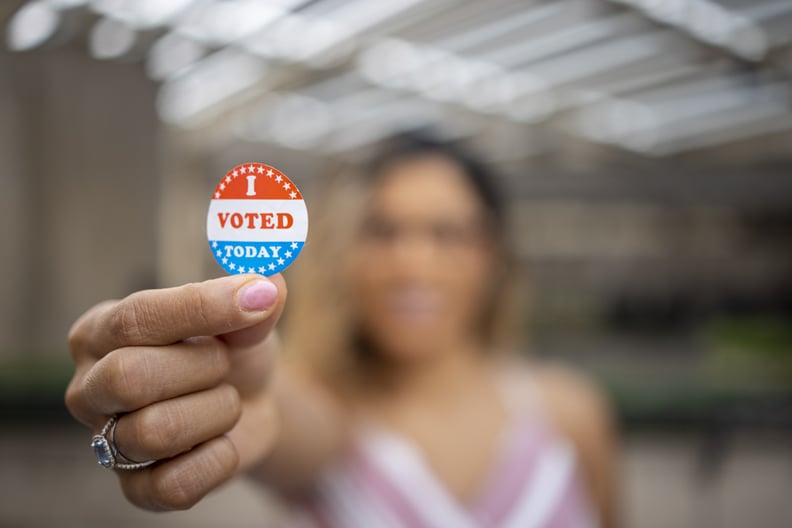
(572, 400)
(578, 409)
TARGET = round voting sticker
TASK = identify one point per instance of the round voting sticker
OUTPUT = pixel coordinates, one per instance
(257, 221)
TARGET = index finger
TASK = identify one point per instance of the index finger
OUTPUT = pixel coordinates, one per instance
(166, 316)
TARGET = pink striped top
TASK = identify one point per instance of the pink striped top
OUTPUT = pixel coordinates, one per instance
(384, 481)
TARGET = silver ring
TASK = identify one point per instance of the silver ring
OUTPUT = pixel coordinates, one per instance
(106, 452)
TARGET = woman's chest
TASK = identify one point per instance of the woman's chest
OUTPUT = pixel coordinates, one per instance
(459, 445)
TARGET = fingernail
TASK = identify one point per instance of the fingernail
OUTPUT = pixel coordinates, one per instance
(258, 295)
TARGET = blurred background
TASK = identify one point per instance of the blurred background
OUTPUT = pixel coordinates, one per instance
(645, 145)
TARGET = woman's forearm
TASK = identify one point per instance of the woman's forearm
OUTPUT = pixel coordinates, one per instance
(312, 428)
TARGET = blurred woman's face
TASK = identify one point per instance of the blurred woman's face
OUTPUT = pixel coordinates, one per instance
(423, 262)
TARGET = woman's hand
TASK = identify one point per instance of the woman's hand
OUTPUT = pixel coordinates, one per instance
(186, 369)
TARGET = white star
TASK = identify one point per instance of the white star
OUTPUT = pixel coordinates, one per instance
(292, 194)
(225, 260)
(241, 270)
(217, 195)
(243, 170)
(262, 269)
(269, 173)
(222, 186)
(219, 253)
(228, 179)
(294, 245)
(235, 173)
(260, 169)
(272, 266)
(251, 169)
(278, 178)
(286, 186)
(281, 262)
(214, 244)
(232, 266)
(288, 254)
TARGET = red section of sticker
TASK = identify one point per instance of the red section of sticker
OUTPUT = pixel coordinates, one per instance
(256, 181)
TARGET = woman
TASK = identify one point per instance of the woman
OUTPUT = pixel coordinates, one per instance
(397, 402)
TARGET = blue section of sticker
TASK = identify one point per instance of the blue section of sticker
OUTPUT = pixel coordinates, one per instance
(265, 258)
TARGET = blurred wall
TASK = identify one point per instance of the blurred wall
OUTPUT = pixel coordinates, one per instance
(79, 197)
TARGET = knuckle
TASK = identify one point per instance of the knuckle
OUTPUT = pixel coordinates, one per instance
(121, 380)
(74, 400)
(77, 338)
(214, 353)
(129, 319)
(179, 484)
(172, 490)
(132, 492)
(196, 303)
(118, 376)
(154, 430)
(92, 388)
(73, 396)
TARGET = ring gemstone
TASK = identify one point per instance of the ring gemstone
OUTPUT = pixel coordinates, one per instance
(102, 451)
(106, 452)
